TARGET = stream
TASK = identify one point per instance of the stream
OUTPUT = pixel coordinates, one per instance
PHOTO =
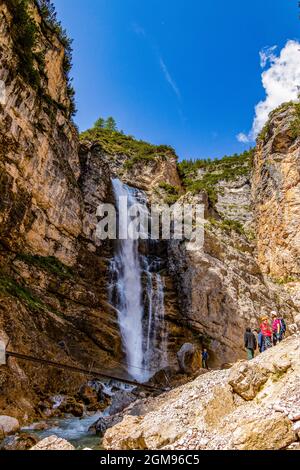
(74, 430)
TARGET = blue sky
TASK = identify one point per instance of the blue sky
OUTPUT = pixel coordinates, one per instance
(181, 72)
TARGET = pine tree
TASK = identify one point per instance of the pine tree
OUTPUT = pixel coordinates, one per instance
(111, 124)
(48, 11)
(99, 124)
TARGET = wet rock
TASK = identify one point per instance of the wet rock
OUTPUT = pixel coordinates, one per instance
(23, 441)
(88, 394)
(120, 401)
(70, 406)
(189, 358)
(8, 425)
(41, 426)
(93, 396)
(104, 423)
(53, 443)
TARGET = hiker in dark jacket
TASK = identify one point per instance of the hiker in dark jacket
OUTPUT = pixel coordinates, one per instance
(250, 343)
(260, 341)
(205, 359)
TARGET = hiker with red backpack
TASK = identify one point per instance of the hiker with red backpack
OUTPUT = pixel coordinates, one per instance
(267, 333)
(278, 328)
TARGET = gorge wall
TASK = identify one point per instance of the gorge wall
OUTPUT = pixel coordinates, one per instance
(53, 269)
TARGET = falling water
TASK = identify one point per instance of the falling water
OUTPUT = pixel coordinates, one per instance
(137, 292)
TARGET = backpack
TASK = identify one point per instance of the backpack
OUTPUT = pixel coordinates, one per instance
(282, 326)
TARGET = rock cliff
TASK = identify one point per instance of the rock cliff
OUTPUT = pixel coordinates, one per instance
(52, 274)
(54, 271)
(276, 189)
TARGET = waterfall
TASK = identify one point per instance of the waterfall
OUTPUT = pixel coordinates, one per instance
(137, 292)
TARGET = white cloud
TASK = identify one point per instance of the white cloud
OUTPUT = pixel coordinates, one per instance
(168, 78)
(267, 55)
(281, 82)
(243, 138)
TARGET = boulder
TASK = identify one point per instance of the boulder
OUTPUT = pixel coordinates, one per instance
(53, 443)
(246, 379)
(93, 396)
(189, 358)
(21, 441)
(264, 433)
(104, 423)
(120, 401)
(70, 406)
(88, 394)
(8, 425)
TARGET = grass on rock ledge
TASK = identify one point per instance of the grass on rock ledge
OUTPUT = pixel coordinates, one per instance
(117, 143)
(10, 287)
(48, 263)
(205, 174)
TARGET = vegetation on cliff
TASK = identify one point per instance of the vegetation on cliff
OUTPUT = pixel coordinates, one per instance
(294, 125)
(205, 174)
(47, 263)
(31, 59)
(115, 142)
(9, 286)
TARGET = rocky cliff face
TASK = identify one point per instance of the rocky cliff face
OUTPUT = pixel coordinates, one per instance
(224, 287)
(52, 274)
(276, 190)
(54, 270)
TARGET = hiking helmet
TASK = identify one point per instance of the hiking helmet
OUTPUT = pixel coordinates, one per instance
(273, 313)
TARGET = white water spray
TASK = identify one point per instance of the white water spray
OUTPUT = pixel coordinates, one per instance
(140, 305)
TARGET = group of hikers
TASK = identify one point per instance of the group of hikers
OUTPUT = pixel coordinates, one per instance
(269, 334)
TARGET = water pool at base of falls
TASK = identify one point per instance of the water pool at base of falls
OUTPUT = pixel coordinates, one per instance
(74, 430)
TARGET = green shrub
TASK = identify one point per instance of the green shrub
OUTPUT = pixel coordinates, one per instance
(117, 143)
(285, 280)
(11, 287)
(295, 125)
(31, 62)
(169, 188)
(228, 225)
(24, 33)
(173, 192)
(213, 171)
(264, 133)
(48, 263)
(138, 158)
